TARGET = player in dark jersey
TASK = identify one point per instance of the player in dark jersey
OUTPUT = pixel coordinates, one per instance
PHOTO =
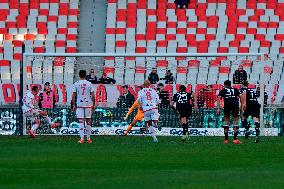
(231, 107)
(184, 102)
(250, 107)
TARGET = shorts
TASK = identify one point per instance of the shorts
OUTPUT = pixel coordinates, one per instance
(253, 111)
(151, 115)
(184, 112)
(32, 115)
(82, 113)
(139, 116)
(231, 109)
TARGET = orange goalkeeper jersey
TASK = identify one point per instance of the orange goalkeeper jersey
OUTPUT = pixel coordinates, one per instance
(140, 114)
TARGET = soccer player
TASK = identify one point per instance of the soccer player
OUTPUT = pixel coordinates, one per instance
(184, 102)
(32, 111)
(148, 99)
(84, 95)
(139, 116)
(231, 98)
(250, 107)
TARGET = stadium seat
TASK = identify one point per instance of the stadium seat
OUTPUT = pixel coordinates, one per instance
(43, 26)
(212, 26)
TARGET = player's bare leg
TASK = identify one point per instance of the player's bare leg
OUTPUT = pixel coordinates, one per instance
(152, 130)
(226, 129)
(48, 120)
(81, 130)
(134, 122)
(89, 130)
(246, 126)
(236, 130)
(34, 127)
(257, 131)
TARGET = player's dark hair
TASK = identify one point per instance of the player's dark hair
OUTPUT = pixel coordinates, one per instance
(82, 73)
(245, 83)
(228, 83)
(182, 88)
(125, 86)
(34, 88)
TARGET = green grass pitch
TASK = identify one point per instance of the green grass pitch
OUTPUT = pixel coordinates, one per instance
(135, 162)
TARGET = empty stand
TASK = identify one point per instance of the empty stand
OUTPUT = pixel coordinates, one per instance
(214, 26)
(42, 25)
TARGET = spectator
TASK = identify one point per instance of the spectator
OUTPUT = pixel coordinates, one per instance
(169, 77)
(240, 75)
(126, 99)
(47, 98)
(282, 101)
(182, 3)
(153, 76)
(210, 97)
(201, 98)
(92, 78)
(164, 96)
(106, 80)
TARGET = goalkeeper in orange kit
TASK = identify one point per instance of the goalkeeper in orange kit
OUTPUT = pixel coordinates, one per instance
(139, 116)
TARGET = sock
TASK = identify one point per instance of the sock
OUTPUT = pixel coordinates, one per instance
(236, 133)
(34, 127)
(48, 120)
(226, 132)
(245, 125)
(187, 132)
(88, 131)
(152, 132)
(81, 131)
(184, 128)
(257, 131)
(128, 128)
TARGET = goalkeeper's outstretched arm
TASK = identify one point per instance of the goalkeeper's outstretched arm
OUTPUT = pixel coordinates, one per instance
(131, 109)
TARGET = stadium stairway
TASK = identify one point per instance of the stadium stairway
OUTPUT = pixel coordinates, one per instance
(92, 34)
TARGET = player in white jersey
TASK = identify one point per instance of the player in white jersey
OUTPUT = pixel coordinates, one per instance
(83, 100)
(148, 100)
(32, 112)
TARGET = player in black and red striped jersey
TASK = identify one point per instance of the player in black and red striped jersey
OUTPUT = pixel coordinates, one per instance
(231, 98)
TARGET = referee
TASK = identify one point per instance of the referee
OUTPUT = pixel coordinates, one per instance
(184, 102)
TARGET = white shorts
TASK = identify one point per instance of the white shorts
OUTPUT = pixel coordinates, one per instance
(82, 113)
(151, 115)
(32, 115)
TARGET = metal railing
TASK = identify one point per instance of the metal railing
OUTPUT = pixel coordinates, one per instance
(113, 117)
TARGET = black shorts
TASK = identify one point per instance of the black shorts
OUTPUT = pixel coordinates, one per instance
(184, 112)
(252, 110)
(231, 109)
